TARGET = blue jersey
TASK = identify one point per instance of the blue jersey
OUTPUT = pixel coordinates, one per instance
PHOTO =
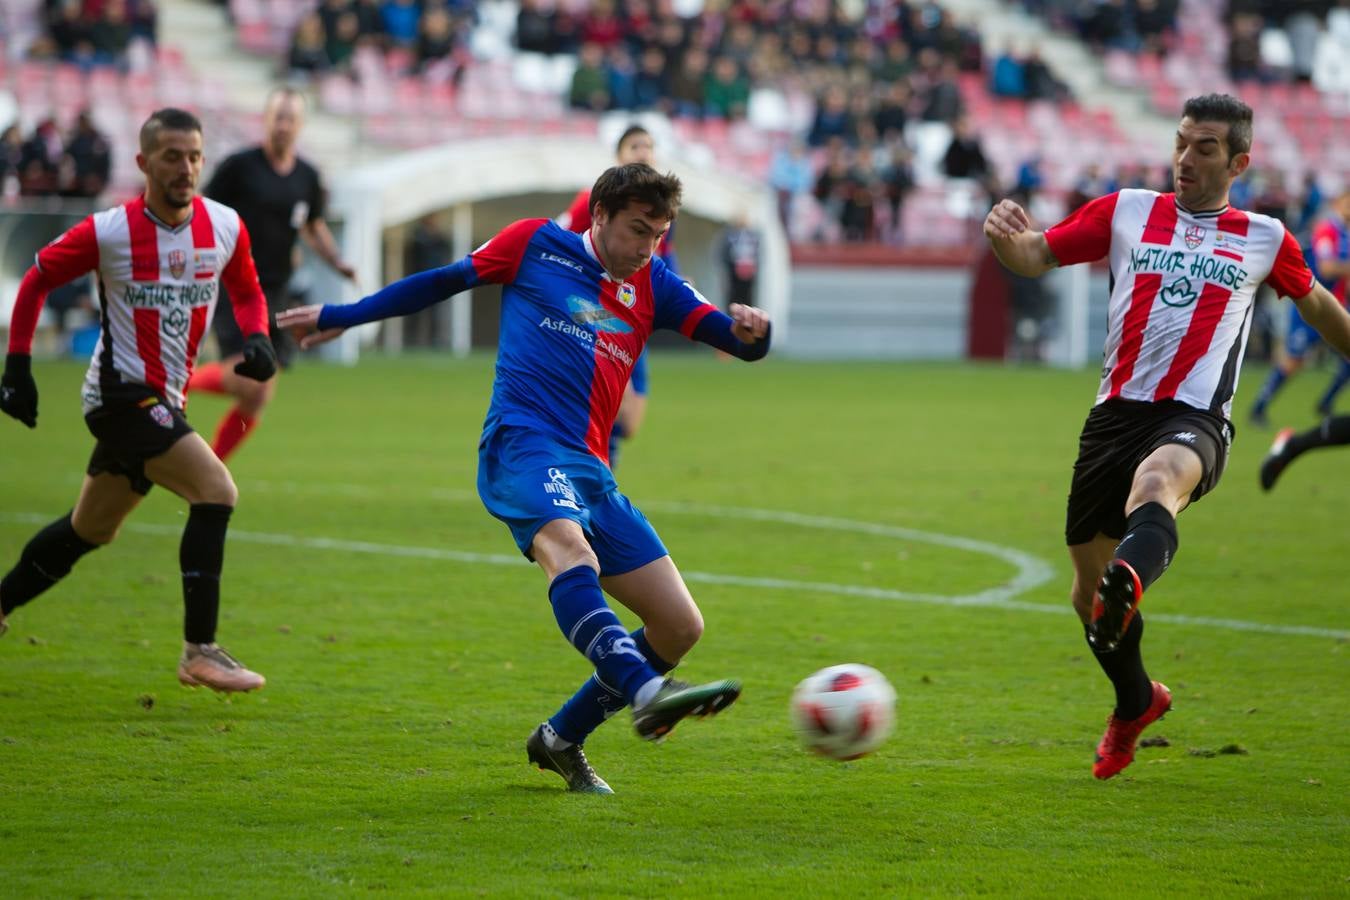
(570, 334)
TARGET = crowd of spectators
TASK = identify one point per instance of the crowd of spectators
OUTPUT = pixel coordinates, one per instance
(870, 68)
(47, 163)
(90, 33)
(1301, 21)
(414, 37)
(1131, 25)
(1150, 26)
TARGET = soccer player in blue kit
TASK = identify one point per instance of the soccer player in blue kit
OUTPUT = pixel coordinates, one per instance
(577, 310)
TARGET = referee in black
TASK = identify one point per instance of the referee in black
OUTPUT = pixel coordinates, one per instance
(278, 195)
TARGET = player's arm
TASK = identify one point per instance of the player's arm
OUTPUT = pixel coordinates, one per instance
(1290, 277)
(1320, 309)
(496, 262)
(73, 254)
(745, 332)
(1017, 246)
(240, 278)
(320, 239)
(1084, 236)
(318, 236)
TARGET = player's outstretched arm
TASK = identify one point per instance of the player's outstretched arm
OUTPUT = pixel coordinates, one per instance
(1320, 309)
(404, 297)
(1021, 249)
(745, 333)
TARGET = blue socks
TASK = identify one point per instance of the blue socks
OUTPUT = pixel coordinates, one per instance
(591, 626)
(596, 701)
(1341, 378)
(1274, 381)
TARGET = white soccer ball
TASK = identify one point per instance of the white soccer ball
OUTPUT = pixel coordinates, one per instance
(844, 712)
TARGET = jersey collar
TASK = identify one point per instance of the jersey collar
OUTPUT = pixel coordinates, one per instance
(594, 254)
(160, 223)
(1204, 214)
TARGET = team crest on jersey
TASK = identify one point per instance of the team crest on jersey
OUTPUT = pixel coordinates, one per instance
(162, 417)
(1195, 236)
(177, 263)
(627, 295)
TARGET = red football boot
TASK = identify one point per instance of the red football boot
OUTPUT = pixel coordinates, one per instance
(1116, 751)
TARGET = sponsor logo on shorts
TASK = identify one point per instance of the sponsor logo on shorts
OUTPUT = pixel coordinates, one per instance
(561, 490)
(163, 418)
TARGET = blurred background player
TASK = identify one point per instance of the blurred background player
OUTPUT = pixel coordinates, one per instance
(1185, 268)
(576, 312)
(160, 260)
(1330, 261)
(1334, 431)
(278, 195)
(635, 145)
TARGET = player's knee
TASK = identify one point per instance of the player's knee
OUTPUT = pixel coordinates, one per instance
(254, 397)
(93, 531)
(687, 631)
(576, 554)
(1152, 485)
(219, 489)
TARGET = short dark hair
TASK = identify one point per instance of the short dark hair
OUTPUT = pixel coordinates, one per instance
(1224, 108)
(170, 118)
(627, 133)
(638, 183)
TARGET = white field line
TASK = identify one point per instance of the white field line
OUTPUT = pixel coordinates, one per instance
(1031, 572)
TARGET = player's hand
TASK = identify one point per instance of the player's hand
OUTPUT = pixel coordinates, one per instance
(346, 270)
(303, 323)
(1005, 220)
(750, 323)
(18, 390)
(260, 358)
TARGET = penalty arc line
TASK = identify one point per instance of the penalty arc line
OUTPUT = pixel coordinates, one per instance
(1032, 572)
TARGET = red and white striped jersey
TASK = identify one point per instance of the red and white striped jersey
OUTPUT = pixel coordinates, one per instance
(1183, 286)
(157, 288)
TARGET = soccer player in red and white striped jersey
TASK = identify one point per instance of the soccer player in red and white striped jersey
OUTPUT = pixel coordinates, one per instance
(1185, 268)
(160, 260)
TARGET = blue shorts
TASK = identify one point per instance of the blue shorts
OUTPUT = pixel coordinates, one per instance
(1302, 337)
(639, 376)
(528, 479)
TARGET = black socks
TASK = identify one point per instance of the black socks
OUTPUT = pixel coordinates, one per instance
(1150, 542)
(46, 559)
(1125, 667)
(201, 556)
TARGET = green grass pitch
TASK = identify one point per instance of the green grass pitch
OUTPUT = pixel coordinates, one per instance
(410, 655)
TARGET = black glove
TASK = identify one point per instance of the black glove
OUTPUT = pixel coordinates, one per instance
(260, 360)
(18, 390)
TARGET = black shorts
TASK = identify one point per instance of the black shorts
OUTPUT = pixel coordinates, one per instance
(1117, 437)
(231, 340)
(135, 423)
